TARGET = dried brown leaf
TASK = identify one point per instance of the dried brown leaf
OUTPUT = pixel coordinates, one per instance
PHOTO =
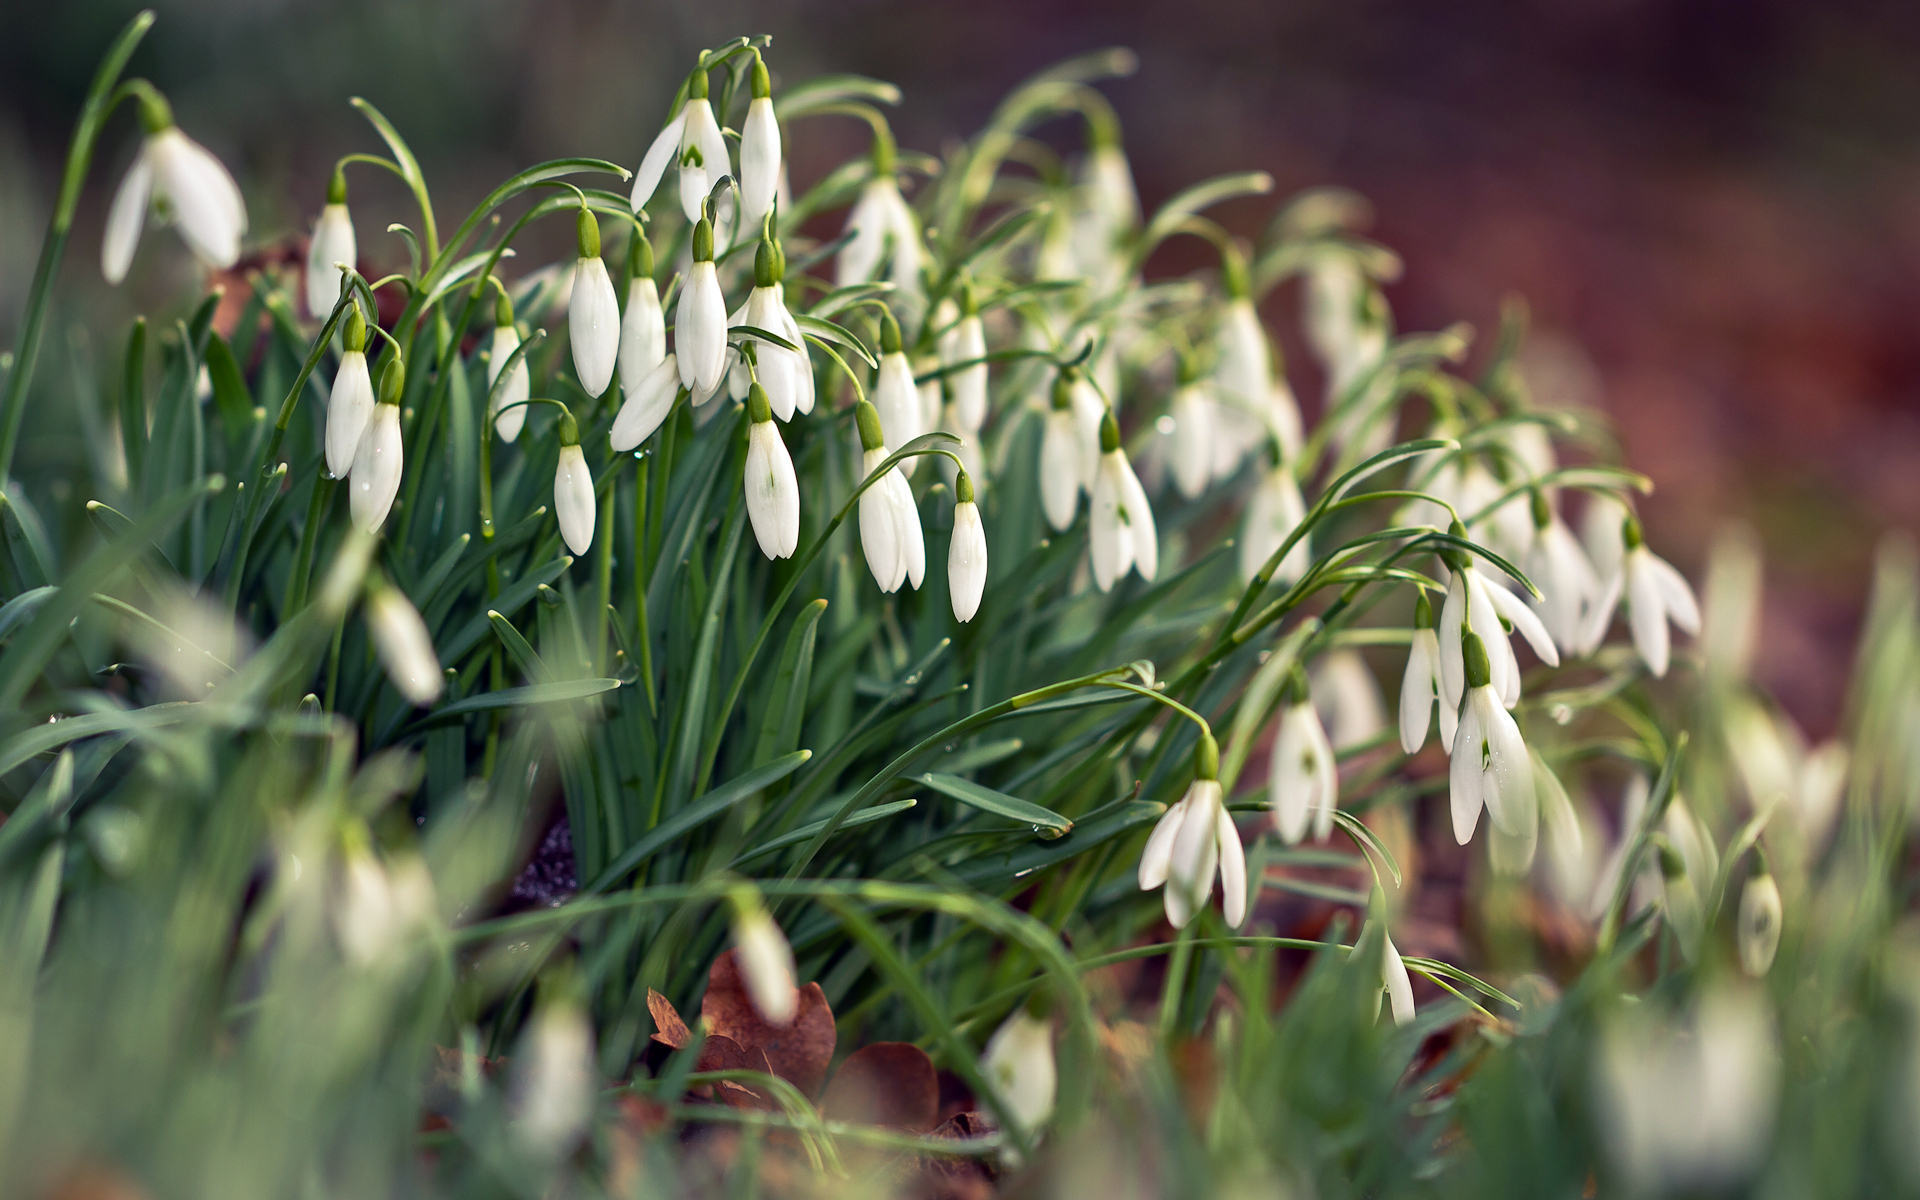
(799, 1051)
(668, 1028)
(887, 1083)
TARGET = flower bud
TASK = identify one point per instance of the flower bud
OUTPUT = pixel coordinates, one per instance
(1473, 655)
(1109, 433)
(1206, 757)
(405, 646)
(867, 418)
(703, 241)
(1760, 914)
(765, 960)
(588, 228)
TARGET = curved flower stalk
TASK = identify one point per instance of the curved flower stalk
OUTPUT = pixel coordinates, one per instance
(184, 185)
(895, 396)
(1655, 594)
(700, 320)
(333, 246)
(691, 141)
(967, 553)
(1420, 684)
(773, 492)
(593, 312)
(350, 406)
(374, 479)
(890, 534)
(1194, 841)
(1120, 530)
(1559, 568)
(967, 450)
(643, 327)
(1491, 768)
(760, 172)
(1274, 511)
(1303, 785)
(573, 502)
(406, 648)
(509, 401)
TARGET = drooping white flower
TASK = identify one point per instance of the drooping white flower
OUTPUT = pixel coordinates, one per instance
(895, 396)
(1419, 684)
(333, 243)
(765, 960)
(890, 534)
(185, 185)
(573, 503)
(1334, 286)
(1395, 982)
(1106, 210)
(647, 405)
(1195, 840)
(1019, 1060)
(1801, 786)
(374, 479)
(1245, 382)
(350, 405)
(1194, 434)
(1760, 917)
(1490, 767)
(1274, 511)
(593, 313)
(1473, 598)
(773, 493)
(885, 233)
(1559, 568)
(968, 344)
(693, 142)
(1347, 697)
(1303, 779)
(643, 327)
(1089, 410)
(967, 553)
(508, 408)
(700, 320)
(1600, 532)
(1120, 529)
(759, 152)
(1060, 466)
(1655, 593)
(554, 1082)
(405, 646)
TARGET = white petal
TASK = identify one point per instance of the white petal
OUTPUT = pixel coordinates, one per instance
(649, 400)
(643, 334)
(1196, 855)
(660, 155)
(1646, 612)
(1600, 616)
(970, 383)
(1154, 860)
(507, 421)
(1525, 622)
(967, 561)
(1449, 725)
(700, 330)
(695, 186)
(1088, 411)
(1675, 593)
(406, 649)
(1399, 986)
(1060, 470)
(593, 325)
(1453, 671)
(906, 515)
(1326, 789)
(1464, 789)
(773, 494)
(1108, 539)
(879, 532)
(1233, 869)
(206, 202)
(867, 221)
(1485, 619)
(333, 242)
(766, 964)
(124, 219)
(349, 408)
(759, 163)
(573, 503)
(1296, 784)
(703, 132)
(1509, 792)
(375, 478)
(1416, 690)
(1144, 537)
(897, 400)
(1193, 440)
(803, 362)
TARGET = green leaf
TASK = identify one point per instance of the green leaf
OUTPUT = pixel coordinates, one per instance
(518, 649)
(700, 811)
(865, 816)
(516, 697)
(1045, 821)
(999, 868)
(39, 739)
(230, 394)
(509, 602)
(1367, 839)
(822, 90)
(787, 697)
(21, 608)
(827, 331)
(1198, 197)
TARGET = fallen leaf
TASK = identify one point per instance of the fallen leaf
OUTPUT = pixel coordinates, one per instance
(944, 1178)
(887, 1083)
(799, 1052)
(668, 1028)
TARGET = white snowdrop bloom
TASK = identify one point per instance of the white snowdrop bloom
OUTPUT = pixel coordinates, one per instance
(1655, 594)
(1512, 851)
(1600, 532)
(405, 646)
(593, 313)
(773, 493)
(1760, 917)
(1334, 288)
(1019, 1060)
(1474, 599)
(895, 396)
(508, 408)
(1490, 766)
(968, 345)
(1801, 786)
(890, 534)
(1633, 808)
(1245, 379)
(1194, 435)
(885, 234)
(647, 405)
(333, 243)
(1419, 684)
(643, 327)
(1359, 395)
(765, 960)
(1347, 698)
(350, 404)
(1688, 1099)
(374, 479)
(759, 152)
(1106, 210)
(185, 185)
(700, 320)
(1120, 530)
(967, 553)
(554, 1082)
(1089, 410)
(787, 375)
(1274, 511)
(693, 142)
(1303, 777)
(1195, 840)
(573, 503)
(1060, 466)
(1559, 568)
(1395, 982)
(374, 907)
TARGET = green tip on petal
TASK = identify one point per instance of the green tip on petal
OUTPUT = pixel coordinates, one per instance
(1542, 513)
(867, 417)
(963, 488)
(639, 256)
(1473, 656)
(1206, 757)
(768, 269)
(503, 310)
(1458, 529)
(1297, 689)
(1671, 864)
(762, 82)
(1233, 271)
(337, 187)
(697, 84)
(969, 303)
(1423, 612)
(393, 380)
(759, 407)
(1062, 392)
(1109, 433)
(1630, 532)
(356, 335)
(889, 333)
(703, 241)
(589, 229)
(569, 429)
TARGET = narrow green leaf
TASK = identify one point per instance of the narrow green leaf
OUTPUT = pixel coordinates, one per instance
(999, 868)
(787, 696)
(700, 811)
(509, 602)
(1045, 821)
(878, 812)
(516, 697)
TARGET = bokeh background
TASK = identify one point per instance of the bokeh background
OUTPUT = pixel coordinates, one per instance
(1713, 206)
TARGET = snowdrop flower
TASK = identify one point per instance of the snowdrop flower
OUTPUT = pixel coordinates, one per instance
(1474, 599)
(1062, 465)
(764, 957)
(1244, 375)
(890, 533)
(375, 907)
(700, 319)
(786, 374)
(593, 313)
(1194, 437)
(332, 243)
(1019, 1060)
(1335, 285)
(1655, 594)
(1417, 686)
(1348, 698)
(895, 396)
(967, 553)
(1600, 532)
(1274, 511)
(1801, 786)
(1303, 778)
(692, 140)
(1395, 982)
(1760, 916)
(1559, 568)
(509, 409)
(1120, 531)
(759, 151)
(643, 327)
(350, 405)
(647, 405)
(1356, 400)
(1194, 840)
(773, 494)
(1107, 209)
(374, 479)
(968, 344)
(883, 225)
(573, 503)
(1687, 1100)
(555, 1081)
(1490, 767)
(405, 646)
(184, 185)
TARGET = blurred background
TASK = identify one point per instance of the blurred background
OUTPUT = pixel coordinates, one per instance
(1713, 206)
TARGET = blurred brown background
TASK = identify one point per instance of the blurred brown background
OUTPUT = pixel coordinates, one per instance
(1719, 200)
